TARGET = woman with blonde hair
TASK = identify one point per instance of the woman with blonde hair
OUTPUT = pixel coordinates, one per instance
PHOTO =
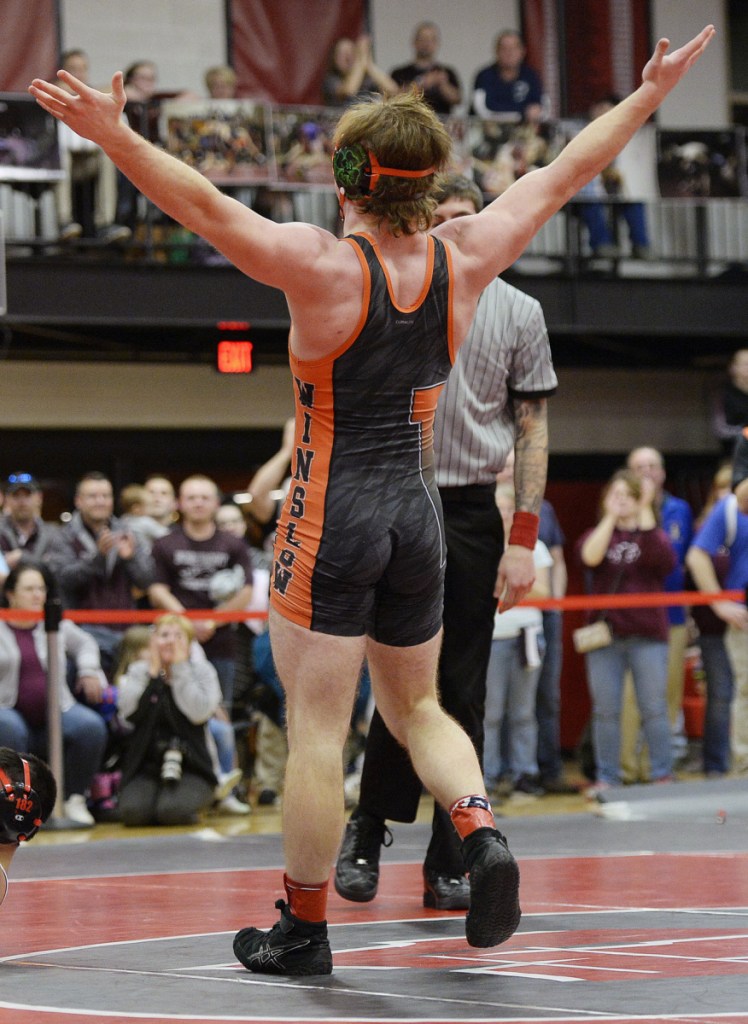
(167, 772)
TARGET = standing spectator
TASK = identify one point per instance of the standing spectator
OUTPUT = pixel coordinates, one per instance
(198, 566)
(628, 553)
(713, 537)
(167, 774)
(731, 402)
(509, 86)
(86, 197)
(440, 84)
(495, 400)
(548, 697)
(352, 73)
(24, 535)
(23, 689)
(162, 500)
(105, 564)
(596, 216)
(513, 669)
(676, 519)
(715, 747)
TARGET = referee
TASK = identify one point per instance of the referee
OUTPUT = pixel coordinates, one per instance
(494, 400)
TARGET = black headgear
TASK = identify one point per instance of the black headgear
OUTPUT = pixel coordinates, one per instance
(357, 171)
(20, 808)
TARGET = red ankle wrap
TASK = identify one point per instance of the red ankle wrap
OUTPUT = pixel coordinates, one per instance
(306, 900)
(471, 812)
(524, 529)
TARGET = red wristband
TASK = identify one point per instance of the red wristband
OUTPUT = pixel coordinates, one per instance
(524, 529)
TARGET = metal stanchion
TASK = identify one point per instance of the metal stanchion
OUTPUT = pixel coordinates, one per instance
(52, 620)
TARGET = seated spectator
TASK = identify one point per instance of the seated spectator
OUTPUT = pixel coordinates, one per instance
(221, 82)
(509, 87)
(135, 646)
(28, 772)
(167, 772)
(23, 689)
(352, 74)
(731, 402)
(86, 198)
(104, 564)
(439, 83)
(596, 217)
(24, 535)
(512, 678)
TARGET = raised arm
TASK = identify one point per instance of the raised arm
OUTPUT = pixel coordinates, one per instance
(275, 254)
(493, 239)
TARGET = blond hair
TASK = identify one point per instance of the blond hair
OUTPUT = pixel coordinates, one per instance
(403, 132)
(180, 621)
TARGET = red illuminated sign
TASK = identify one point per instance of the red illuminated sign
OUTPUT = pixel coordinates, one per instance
(234, 356)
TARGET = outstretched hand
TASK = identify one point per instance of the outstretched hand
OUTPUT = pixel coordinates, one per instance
(665, 70)
(88, 112)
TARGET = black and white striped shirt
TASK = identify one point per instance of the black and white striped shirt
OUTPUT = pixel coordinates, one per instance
(506, 354)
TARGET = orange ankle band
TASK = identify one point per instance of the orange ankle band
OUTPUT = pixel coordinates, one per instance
(307, 900)
(471, 812)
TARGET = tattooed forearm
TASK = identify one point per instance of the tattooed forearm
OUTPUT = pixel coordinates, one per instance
(530, 453)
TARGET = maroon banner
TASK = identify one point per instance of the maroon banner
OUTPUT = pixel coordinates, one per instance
(280, 50)
(29, 47)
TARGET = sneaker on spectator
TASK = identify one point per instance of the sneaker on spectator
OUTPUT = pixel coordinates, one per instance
(76, 810)
(231, 804)
(267, 798)
(226, 782)
(595, 791)
(114, 233)
(70, 231)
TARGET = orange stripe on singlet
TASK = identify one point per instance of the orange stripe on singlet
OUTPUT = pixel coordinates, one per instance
(296, 603)
(426, 281)
(450, 303)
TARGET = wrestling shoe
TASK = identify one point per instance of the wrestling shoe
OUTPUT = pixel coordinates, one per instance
(357, 869)
(445, 892)
(292, 946)
(494, 888)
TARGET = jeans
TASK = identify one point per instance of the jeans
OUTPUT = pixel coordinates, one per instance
(84, 737)
(223, 737)
(510, 692)
(548, 699)
(647, 660)
(719, 688)
(595, 218)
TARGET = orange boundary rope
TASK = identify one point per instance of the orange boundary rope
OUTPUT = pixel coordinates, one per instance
(575, 602)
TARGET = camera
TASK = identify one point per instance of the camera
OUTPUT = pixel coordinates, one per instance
(171, 766)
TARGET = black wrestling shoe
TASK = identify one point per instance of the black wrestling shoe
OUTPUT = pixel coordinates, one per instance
(445, 892)
(292, 946)
(357, 869)
(494, 888)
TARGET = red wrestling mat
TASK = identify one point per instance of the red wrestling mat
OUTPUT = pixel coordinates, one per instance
(607, 938)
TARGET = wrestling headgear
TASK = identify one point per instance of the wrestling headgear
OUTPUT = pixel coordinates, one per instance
(357, 171)
(20, 808)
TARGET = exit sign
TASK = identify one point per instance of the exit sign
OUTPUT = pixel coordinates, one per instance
(234, 349)
(234, 356)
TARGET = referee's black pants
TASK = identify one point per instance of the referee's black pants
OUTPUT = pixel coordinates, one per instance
(389, 786)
